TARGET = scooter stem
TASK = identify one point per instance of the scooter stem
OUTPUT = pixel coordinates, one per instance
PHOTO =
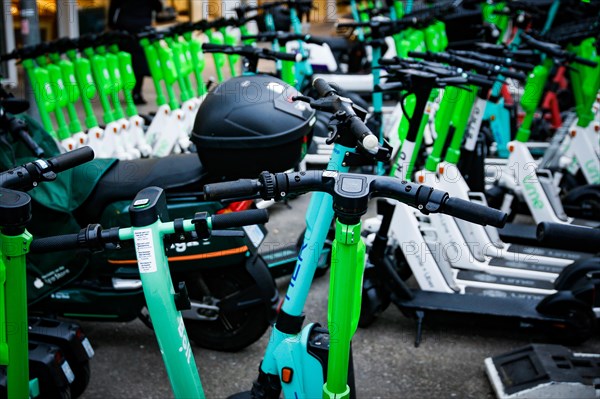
(347, 267)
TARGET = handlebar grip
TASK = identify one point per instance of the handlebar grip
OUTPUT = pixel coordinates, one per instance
(523, 66)
(585, 61)
(323, 88)
(389, 61)
(474, 213)
(53, 244)
(296, 57)
(566, 236)
(480, 80)
(364, 135)
(419, 54)
(352, 24)
(513, 74)
(71, 159)
(214, 47)
(389, 86)
(315, 40)
(232, 189)
(239, 219)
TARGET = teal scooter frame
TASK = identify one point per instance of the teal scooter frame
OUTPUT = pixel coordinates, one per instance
(150, 225)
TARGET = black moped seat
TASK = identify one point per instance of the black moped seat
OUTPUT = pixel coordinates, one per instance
(337, 44)
(175, 173)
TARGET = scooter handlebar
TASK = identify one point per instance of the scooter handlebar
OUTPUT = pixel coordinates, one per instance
(71, 159)
(474, 213)
(251, 52)
(350, 187)
(215, 48)
(578, 238)
(464, 62)
(364, 135)
(585, 61)
(243, 188)
(56, 243)
(323, 88)
(239, 219)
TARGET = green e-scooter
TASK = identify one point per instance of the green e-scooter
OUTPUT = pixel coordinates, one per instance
(15, 211)
(310, 362)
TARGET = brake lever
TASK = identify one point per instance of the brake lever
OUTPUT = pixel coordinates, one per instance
(320, 104)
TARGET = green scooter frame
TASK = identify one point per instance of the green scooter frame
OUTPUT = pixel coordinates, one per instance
(15, 241)
(289, 345)
(13, 295)
(300, 373)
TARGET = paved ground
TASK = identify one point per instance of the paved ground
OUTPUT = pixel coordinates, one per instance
(449, 362)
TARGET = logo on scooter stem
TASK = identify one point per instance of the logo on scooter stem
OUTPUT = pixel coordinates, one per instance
(185, 342)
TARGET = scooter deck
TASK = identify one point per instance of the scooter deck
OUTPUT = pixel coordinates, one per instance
(472, 304)
(526, 264)
(543, 371)
(467, 276)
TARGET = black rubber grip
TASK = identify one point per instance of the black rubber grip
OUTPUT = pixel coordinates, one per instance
(389, 61)
(215, 47)
(239, 219)
(286, 56)
(352, 24)
(513, 74)
(359, 129)
(322, 87)
(480, 80)
(474, 213)
(391, 86)
(565, 236)
(231, 189)
(456, 80)
(419, 54)
(71, 159)
(314, 40)
(585, 61)
(53, 244)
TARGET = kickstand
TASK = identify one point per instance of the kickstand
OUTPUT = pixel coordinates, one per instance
(144, 316)
(420, 316)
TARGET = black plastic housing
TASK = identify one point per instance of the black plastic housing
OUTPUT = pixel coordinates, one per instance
(249, 124)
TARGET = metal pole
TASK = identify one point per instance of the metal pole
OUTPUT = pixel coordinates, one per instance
(30, 33)
(9, 69)
(67, 18)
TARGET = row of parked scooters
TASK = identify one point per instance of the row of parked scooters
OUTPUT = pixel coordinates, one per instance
(446, 125)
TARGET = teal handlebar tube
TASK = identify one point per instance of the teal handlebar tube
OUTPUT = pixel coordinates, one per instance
(318, 219)
(319, 216)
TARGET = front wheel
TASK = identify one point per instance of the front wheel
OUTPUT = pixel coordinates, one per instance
(579, 327)
(229, 328)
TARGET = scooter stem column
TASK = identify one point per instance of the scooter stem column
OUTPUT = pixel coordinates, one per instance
(14, 248)
(347, 266)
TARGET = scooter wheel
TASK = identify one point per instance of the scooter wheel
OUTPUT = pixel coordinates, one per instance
(375, 301)
(82, 379)
(579, 326)
(233, 329)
